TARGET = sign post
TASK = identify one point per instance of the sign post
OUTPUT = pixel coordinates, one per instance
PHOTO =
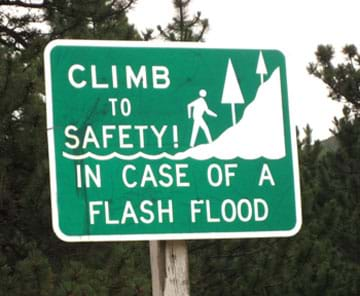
(158, 269)
(169, 268)
(143, 144)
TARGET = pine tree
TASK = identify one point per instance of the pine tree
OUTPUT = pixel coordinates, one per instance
(261, 67)
(99, 19)
(184, 28)
(232, 92)
(342, 80)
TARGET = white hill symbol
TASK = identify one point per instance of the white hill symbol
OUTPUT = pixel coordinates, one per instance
(260, 132)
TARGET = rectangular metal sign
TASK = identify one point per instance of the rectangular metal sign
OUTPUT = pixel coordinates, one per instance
(152, 141)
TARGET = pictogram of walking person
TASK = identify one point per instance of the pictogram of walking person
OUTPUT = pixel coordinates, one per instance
(196, 110)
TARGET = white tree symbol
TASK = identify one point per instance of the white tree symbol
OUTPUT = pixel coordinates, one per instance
(232, 93)
(261, 67)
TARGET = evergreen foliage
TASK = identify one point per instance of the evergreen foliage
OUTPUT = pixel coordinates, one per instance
(342, 80)
(184, 28)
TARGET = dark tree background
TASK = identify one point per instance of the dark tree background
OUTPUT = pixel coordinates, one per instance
(323, 259)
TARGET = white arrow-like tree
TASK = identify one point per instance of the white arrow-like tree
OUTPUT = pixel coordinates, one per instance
(232, 93)
(261, 67)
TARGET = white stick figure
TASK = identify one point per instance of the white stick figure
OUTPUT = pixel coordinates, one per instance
(196, 110)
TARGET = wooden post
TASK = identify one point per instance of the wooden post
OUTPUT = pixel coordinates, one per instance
(157, 262)
(169, 268)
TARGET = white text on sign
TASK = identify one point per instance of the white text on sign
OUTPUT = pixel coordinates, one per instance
(79, 76)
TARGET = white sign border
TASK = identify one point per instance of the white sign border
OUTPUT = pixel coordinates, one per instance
(155, 236)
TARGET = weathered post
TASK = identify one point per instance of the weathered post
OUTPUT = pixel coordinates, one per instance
(169, 268)
(157, 262)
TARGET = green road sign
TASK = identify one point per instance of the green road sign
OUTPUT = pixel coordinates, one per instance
(155, 141)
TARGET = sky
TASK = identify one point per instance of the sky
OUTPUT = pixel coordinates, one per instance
(294, 27)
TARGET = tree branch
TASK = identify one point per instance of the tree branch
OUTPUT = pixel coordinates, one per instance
(24, 4)
(7, 75)
(16, 36)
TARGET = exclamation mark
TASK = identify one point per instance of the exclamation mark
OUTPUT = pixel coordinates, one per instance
(175, 136)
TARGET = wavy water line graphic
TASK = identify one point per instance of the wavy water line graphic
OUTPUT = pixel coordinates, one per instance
(121, 156)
